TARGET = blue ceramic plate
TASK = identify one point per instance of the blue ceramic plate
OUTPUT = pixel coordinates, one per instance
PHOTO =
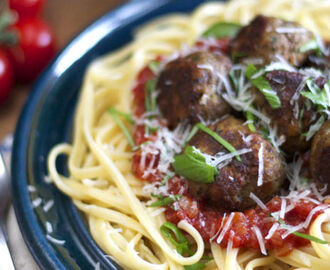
(46, 120)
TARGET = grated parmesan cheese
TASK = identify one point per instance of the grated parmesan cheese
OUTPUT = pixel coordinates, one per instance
(36, 202)
(260, 240)
(54, 240)
(48, 205)
(32, 188)
(49, 227)
(226, 227)
(261, 165)
(258, 201)
(290, 30)
(272, 230)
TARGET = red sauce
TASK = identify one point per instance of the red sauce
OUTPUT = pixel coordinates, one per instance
(207, 220)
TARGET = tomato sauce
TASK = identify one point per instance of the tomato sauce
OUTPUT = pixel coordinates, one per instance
(210, 221)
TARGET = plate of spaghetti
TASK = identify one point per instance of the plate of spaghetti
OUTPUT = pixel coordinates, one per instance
(197, 140)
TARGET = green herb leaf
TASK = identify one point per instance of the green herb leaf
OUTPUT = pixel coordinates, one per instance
(192, 166)
(150, 98)
(222, 29)
(195, 266)
(263, 85)
(316, 95)
(249, 116)
(311, 45)
(219, 139)
(176, 237)
(199, 265)
(306, 236)
(127, 116)
(314, 128)
(154, 66)
(165, 201)
(114, 115)
(311, 238)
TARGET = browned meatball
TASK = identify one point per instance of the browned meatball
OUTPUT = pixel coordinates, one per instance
(320, 62)
(266, 37)
(235, 181)
(320, 156)
(293, 118)
(189, 88)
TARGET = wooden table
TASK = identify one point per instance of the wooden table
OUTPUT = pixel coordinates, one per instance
(67, 18)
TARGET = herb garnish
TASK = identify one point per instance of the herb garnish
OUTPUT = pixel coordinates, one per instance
(218, 138)
(222, 29)
(316, 95)
(311, 45)
(263, 85)
(150, 98)
(115, 114)
(176, 237)
(192, 165)
(154, 66)
(164, 200)
(199, 265)
(150, 101)
(250, 118)
(304, 235)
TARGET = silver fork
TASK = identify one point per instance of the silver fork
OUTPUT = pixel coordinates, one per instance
(5, 194)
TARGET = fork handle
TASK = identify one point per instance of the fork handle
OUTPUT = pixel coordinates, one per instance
(6, 259)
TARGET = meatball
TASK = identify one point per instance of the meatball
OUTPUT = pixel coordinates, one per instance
(320, 156)
(189, 88)
(320, 62)
(294, 117)
(266, 37)
(235, 181)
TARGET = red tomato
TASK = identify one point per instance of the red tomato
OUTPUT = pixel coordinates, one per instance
(34, 50)
(27, 8)
(6, 76)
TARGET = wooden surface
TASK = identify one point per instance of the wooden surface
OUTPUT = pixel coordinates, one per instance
(67, 18)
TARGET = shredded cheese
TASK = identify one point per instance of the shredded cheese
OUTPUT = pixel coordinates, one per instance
(226, 227)
(272, 230)
(260, 240)
(261, 165)
(258, 201)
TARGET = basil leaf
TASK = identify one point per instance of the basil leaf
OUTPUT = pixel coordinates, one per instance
(154, 66)
(304, 235)
(316, 95)
(222, 29)
(263, 85)
(114, 114)
(127, 116)
(195, 266)
(165, 201)
(249, 116)
(150, 98)
(311, 45)
(192, 166)
(219, 139)
(314, 128)
(311, 238)
(180, 241)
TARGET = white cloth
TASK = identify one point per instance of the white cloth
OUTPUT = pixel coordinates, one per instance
(20, 253)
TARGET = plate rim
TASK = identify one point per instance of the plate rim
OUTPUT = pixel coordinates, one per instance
(32, 234)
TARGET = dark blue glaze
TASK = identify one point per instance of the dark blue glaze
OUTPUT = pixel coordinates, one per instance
(47, 119)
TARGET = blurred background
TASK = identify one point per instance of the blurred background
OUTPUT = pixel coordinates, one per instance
(66, 18)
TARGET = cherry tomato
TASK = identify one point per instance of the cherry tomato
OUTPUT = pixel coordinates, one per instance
(27, 8)
(6, 76)
(34, 50)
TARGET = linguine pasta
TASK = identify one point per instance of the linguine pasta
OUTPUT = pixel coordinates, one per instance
(101, 183)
